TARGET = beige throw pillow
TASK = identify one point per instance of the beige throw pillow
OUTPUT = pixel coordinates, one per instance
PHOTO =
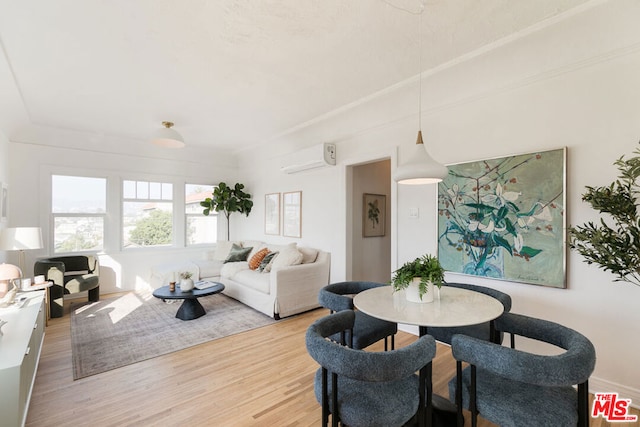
(288, 256)
(309, 255)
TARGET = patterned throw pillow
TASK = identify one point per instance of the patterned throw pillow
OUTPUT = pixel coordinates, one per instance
(238, 253)
(255, 260)
(265, 265)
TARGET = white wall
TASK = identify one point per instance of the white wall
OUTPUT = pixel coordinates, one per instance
(4, 177)
(574, 84)
(41, 152)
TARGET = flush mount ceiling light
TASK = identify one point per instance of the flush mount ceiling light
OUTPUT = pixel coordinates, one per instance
(421, 168)
(167, 137)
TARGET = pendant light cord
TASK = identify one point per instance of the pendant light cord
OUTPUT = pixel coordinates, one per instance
(420, 68)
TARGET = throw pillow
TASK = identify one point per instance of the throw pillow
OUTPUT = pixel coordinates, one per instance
(267, 261)
(255, 260)
(309, 255)
(287, 257)
(238, 253)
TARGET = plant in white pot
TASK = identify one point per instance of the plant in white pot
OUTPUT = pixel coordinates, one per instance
(186, 282)
(418, 278)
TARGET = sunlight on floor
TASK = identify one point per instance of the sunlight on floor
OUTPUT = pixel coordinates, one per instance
(119, 308)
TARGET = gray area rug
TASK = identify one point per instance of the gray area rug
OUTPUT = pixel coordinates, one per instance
(120, 331)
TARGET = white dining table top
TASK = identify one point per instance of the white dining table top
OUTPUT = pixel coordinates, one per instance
(453, 307)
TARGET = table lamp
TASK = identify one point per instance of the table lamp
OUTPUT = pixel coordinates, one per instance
(21, 239)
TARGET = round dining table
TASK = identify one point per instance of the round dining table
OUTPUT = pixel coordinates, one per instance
(451, 307)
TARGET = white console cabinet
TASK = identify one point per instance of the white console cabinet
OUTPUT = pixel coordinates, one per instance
(19, 355)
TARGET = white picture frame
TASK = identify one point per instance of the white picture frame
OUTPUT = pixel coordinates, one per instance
(292, 214)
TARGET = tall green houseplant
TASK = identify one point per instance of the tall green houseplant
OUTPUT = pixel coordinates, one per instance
(227, 200)
(614, 243)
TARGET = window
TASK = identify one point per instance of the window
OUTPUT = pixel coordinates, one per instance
(200, 229)
(147, 214)
(78, 206)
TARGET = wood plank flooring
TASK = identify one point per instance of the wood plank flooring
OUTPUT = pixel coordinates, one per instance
(262, 377)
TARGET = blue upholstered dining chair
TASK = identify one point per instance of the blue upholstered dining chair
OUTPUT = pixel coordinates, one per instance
(515, 388)
(481, 331)
(365, 388)
(366, 330)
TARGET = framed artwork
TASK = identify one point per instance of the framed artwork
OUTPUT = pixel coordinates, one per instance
(292, 214)
(373, 215)
(272, 213)
(504, 218)
(3, 202)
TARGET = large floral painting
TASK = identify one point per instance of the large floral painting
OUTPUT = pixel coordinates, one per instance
(504, 218)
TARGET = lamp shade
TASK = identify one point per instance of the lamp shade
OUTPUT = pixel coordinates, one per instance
(21, 238)
(167, 137)
(421, 168)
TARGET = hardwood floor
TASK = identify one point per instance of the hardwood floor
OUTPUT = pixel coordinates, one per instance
(262, 377)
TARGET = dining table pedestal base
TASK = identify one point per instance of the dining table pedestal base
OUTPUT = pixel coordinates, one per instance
(444, 412)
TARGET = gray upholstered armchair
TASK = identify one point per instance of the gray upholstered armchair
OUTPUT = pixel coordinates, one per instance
(366, 329)
(513, 388)
(482, 330)
(364, 388)
(69, 274)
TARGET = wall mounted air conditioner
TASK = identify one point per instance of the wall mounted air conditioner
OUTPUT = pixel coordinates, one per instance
(310, 158)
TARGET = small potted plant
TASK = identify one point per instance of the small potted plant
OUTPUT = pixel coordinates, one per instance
(186, 283)
(418, 278)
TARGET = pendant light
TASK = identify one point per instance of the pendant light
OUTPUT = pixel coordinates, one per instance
(421, 168)
(167, 137)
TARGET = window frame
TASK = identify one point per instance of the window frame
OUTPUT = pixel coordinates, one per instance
(187, 215)
(54, 215)
(173, 201)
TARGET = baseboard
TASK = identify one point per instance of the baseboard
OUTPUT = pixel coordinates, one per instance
(598, 385)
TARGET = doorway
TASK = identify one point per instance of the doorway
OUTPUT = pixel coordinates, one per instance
(369, 221)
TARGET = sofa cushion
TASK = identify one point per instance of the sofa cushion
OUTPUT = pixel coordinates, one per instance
(309, 255)
(280, 248)
(209, 268)
(238, 253)
(287, 257)
(255, 260)
(255, 244)
(222, 250)
(253, 279)
(230, 269)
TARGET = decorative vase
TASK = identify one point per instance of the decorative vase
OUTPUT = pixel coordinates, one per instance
(487, 265)
(186, 285)
(412, 292)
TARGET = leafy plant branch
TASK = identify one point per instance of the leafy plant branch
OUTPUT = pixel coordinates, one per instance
(227, 200)
(614, 243)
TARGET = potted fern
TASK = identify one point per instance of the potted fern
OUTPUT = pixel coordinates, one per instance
(418, 278)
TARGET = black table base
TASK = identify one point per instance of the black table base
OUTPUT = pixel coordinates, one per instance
(444, 412)
(190, 309)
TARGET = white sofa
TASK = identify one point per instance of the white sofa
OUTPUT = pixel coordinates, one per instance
(290, 287)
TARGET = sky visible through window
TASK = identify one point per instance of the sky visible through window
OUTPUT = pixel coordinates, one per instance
(72, 194)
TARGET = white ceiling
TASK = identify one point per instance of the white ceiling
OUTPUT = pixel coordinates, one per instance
(232, 73)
